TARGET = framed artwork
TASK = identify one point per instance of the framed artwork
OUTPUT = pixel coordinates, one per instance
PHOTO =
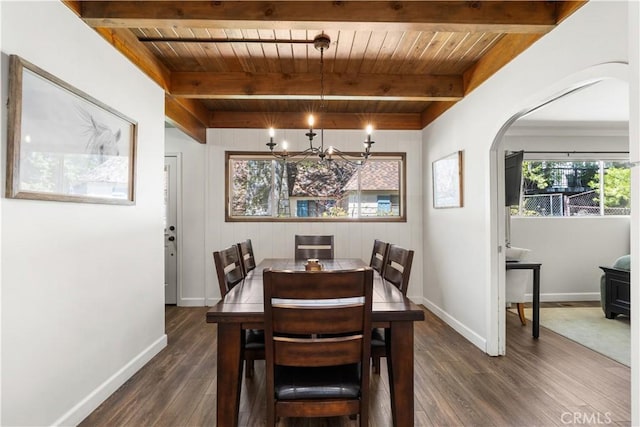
(64, 145)
(447, 181)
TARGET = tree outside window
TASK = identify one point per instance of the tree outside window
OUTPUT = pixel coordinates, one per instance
(261, 188)
(574, 188)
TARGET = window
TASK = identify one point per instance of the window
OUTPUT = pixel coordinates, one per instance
(262, 188)
(575, 188)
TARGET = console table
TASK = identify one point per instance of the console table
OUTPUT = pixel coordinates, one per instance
(535, 266)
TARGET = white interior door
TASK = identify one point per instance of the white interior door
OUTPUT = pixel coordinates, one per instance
(171, 173)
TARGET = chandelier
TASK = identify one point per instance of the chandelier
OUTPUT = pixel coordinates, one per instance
(321, 42)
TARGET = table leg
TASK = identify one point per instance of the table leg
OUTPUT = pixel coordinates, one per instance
(229, 374)
(400, 367)
(536, 302)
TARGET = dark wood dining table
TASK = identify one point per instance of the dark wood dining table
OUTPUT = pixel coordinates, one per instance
(242, 308)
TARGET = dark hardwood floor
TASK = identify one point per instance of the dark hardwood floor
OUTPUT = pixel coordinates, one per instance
(549, 382)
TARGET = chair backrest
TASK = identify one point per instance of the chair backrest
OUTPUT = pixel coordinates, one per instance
(248, 261)
(397, 268)
(318, 319)
(228, 268)
(378, 255)
(320, 247)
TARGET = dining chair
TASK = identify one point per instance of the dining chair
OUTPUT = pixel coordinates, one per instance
(317, 343)
(230, 273)
(229, 268)
(315, 246)
(247, 259)
(378, 255)
(397, 269)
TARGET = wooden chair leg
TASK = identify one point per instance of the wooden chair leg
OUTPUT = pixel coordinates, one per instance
(375, 361)
(523, 319)
(248, 368)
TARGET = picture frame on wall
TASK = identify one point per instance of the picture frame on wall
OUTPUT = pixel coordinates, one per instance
(64, 145)
(448, 181)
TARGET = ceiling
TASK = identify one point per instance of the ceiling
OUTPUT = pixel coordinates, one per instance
(397, 65)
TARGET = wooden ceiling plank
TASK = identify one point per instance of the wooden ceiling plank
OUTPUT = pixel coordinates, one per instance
(445, 58)
(211, 58)
(454, 16)
(261, 120)
(426, 45)
(475, 45)
(372, 51)
(384, 63)
(180, 114)
(342, 50)
(358, 49)
(306, 85)
(225, 51)
(285, 52)
(300, 51)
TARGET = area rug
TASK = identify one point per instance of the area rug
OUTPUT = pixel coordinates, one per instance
(589, 327)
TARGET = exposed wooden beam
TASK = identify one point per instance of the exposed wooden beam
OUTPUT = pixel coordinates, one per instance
(389, 121)
(129, 46)
(433, 111)
(566, 8)
(506, 49)
(307, 86)
(184, 116)
(74, 5)
(455, 16)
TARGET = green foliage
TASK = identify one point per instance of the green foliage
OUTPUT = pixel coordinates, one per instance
(334, 211)
(534, 176)
(617, 187)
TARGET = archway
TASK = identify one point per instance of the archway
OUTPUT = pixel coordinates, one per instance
(496, 337)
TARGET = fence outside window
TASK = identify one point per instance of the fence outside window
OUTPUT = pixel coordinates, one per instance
(561, 188)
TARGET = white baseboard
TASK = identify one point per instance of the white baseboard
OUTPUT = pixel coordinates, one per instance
(191, 302)
(559, 297)
(459, 327)
(82, 409)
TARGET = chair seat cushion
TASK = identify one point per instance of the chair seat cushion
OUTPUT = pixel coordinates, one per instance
(377, 337)
(330, 382)
(254, 338)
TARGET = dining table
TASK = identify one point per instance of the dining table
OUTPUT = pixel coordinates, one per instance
(243, 308)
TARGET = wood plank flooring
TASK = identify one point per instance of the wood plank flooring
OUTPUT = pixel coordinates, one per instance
(549, 382)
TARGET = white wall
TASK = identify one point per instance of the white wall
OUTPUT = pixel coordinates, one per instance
(634, 135)
(458, 268)
(571, 249)
(82, 284)
(194, 258)
(275, 239)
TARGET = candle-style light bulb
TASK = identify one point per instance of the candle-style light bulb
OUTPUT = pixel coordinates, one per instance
(369, 129)
(271, 144)
(285, 145)
(311, 121)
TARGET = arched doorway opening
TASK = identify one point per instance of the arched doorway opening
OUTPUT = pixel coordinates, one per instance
(496, 342)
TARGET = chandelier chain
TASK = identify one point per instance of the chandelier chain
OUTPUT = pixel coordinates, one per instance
(321, 43)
